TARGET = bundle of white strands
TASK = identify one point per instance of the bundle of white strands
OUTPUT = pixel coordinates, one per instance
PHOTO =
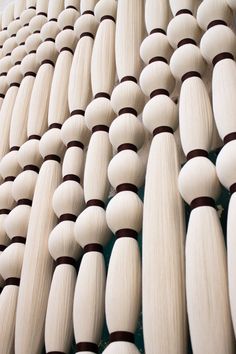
(101, 101)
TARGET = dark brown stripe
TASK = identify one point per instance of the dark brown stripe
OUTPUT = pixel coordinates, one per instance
(3, 74)
(159, 92)
(18, 62)
(66, 260)
(67, 217)
(75, 144)
(2, 248)
(22, 43)
(93, 247)
(32, 7)
(72, 7)
(5, 28)
(55, 125)
(71, 177)
(34, 137)
(4, 211)
(14, 148)
(102, 94)
(88, 12)
(68, 27)
(186, 41)
(48, 62)
(16, 84)
(122, 336)
(2, 95)
(233, 188)
(77, 111)
(196, 153)
(222, 56)
(162, 129)
(9, 179)
(8, 54)
(52, 157)
(183, 11)
(158, 30)
(189, 75)
(126, 187)
(12, 281)
(129, 78)
(49, 40)
(107, 17)
(67, 50)
(31, 168)
(86, 347)
(95, 202)
(13, 35)
(24, 202)
(87, 34)
(229, 137)
(127, 147)
(18, 239)
(128, 110)
(30, 73)
(53, 19)
(153, 60)
(33, 52)
(37, 31)
(202, 201)
(127, 233)
(42, 13)
(216, 22)
(98, 128)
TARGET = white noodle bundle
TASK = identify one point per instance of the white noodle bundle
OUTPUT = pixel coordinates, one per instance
(218, 47)
(206, 278)
(91, 230)
(164, 307)
(126, 174)
(38, 265)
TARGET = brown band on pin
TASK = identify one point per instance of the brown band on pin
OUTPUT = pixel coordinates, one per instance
(95, 202)
(34, 136)
(202, 201)
(189, 75)
(46, 61)
(24, 202)
(5, 28)
(86, 34)
(66, 260)
(127, 233)
(30, 73)
(42, 13)
(18, 239)
(186, 41)
(102, 94)
(9, 179)
(107, 17)
(122, 336)
(68, 27)
(4, 211)
(129, 78)
(22, 43)
(14, 148)
(159, 92)
(71, 7)
(33, 52)
(2, 95)
(197, 153)
(8, 54)
(67, 217)
(183, 11)
(88, 12)
(55, 125)
(75, 144)
(128, 110)
(16, 84)
(93, 247)
(127, 187)
(12, 281)
(86, 347)
(31, 168)
(13, 35)
(127, 147)
(98, 128)
(18, 62)
(216, 22)
(52, 157)
(67, 50)
(32, 7)
(77, 111)
(158, 30)
(2, 248)
(37, 31)
(222, 56)
(229, 137)
(162, 129)
(153, 60)
(49, 40)
(3, 74)
(71, 177)
(233, 188)
(53, 19)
